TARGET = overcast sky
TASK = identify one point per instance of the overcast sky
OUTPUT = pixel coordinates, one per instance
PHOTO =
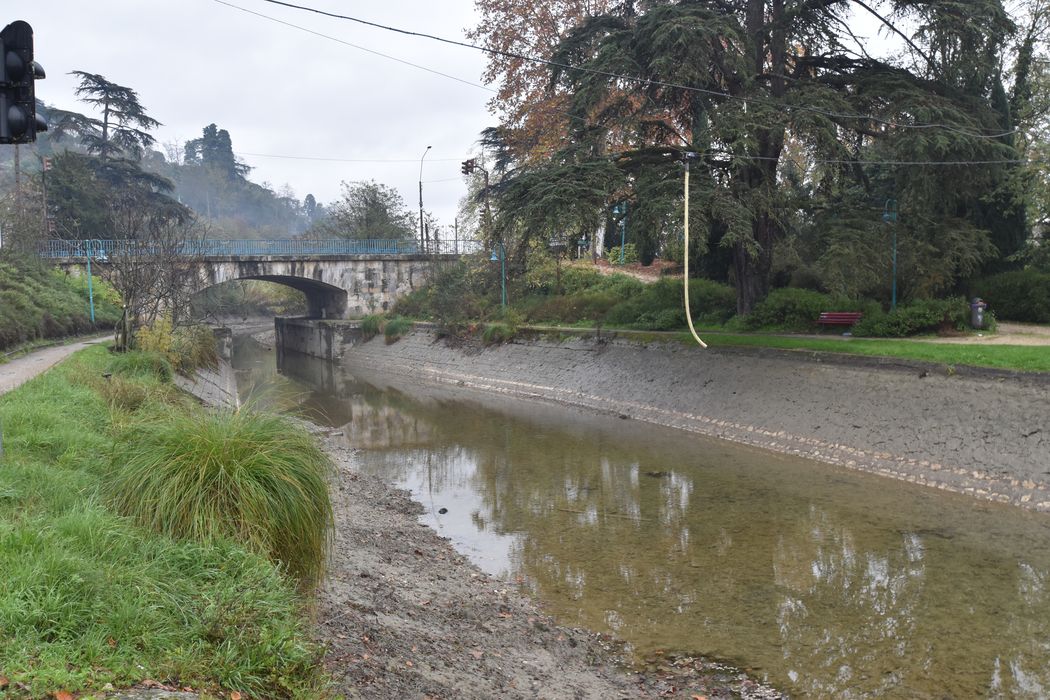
(282, 91)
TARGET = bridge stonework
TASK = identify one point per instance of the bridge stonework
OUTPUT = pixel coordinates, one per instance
(335, 287)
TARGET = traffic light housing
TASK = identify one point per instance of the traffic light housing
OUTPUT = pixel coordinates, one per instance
(468, 166)
(19, 122)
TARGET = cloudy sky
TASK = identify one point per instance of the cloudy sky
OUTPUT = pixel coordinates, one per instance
(283, 91)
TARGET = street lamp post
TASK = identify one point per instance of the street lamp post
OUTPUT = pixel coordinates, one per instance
(91, 292)
(889, 215)
(621, 209)
(502, 257)
(422, 244)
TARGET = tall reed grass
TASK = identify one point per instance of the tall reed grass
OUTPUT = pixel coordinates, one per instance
(255, 478)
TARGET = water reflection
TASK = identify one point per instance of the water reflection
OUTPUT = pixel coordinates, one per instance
(829, 583)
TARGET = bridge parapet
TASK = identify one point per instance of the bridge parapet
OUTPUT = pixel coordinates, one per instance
(284, 248)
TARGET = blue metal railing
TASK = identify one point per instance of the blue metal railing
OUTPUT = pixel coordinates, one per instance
(103, 249)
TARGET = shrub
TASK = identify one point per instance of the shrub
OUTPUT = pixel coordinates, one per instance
(923, 316)
(156, 338)
(572, 309)
(496, 333)
(794, 310)
(193, 347)
(630, 254)
(371, 325)
(1023, 295)
(660, 305)
(396, 327)
(254, 478)
(186, 348)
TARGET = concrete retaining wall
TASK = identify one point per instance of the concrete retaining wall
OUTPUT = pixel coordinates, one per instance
(983, 434)
(316, 338)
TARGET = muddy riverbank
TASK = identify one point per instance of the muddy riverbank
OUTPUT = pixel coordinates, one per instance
(404, 615)
(981, 433)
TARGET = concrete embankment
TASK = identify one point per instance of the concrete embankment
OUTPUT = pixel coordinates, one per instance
(979, 433)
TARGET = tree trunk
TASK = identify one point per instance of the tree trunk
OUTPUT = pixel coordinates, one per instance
(753, 270)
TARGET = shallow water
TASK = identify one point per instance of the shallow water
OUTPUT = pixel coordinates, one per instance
(825, 582)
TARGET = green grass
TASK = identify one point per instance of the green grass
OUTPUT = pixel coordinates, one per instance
(251, 477)
(396, 327)
(1014, 357)
(87, 597)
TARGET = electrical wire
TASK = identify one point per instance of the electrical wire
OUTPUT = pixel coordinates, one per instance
(356, 46)
(345, 160)
(628, 78)
(685, 280)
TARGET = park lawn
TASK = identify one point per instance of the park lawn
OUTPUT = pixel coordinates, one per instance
(1023, 358)
(88, 598)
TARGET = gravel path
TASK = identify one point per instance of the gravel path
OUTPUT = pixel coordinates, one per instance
(20, 370)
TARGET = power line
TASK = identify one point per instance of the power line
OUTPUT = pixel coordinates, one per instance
(345, 160)
(356, 46)
(628, 78)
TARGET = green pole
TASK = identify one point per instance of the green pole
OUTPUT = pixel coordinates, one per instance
(503, 273)
(623, 230)
(889, 215)
(893, 298)
(91, 292)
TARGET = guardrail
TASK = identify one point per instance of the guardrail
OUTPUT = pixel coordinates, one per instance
(300, 248)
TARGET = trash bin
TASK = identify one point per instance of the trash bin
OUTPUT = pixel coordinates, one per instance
(977, 307)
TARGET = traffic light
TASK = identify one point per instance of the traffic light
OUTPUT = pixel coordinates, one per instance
(19, 122)
(468, 166)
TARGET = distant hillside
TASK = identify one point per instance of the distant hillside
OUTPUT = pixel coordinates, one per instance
(204, 172)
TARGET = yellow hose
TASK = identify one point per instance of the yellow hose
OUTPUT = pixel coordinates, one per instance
(688, 314)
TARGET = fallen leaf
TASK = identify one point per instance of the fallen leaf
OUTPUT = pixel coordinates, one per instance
(4, 682)
(698, 697)
(477, 654)
(409, 664)
(62, 695)
(112, 643)
(235, 695)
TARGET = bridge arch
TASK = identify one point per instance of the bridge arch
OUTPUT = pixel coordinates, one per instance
(323, 300)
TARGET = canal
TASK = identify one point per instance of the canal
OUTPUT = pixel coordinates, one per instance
(825, 582)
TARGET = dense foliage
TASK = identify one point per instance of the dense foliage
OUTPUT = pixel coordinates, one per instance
(803, 139)
(1022, 295)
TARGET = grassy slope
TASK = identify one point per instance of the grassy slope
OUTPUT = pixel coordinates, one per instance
(87, 598)
(37, 303)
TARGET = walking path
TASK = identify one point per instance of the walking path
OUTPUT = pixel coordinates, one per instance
(19, 371)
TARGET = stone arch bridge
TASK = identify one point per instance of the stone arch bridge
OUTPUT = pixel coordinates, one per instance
(341, 278)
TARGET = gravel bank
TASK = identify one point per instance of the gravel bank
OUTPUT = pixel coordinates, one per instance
(982, 433)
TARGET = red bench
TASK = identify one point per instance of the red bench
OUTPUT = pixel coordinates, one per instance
(839, 318)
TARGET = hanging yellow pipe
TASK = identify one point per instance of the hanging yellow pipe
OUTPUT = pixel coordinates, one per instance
(685, 286)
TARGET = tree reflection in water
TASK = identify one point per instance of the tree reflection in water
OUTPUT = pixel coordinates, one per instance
(832, 584)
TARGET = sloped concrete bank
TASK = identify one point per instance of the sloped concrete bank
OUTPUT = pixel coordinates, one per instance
(981, 433)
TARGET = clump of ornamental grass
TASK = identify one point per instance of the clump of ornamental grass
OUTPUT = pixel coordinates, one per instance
(395, 328)
(252, 477)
